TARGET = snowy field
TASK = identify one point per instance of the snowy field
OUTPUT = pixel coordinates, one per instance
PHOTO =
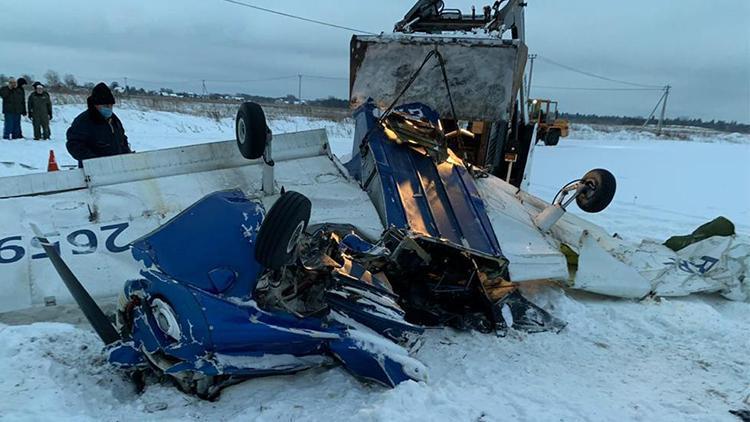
(146, 130)
(681, 359)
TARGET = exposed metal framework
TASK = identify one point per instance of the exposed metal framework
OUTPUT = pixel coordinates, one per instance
(431, 16)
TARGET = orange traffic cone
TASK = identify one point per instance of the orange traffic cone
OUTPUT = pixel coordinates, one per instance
(52, 164)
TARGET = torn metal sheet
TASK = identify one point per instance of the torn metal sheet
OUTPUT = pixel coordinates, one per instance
(612, 266)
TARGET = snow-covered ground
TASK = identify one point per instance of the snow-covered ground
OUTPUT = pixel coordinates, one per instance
(664, 187)
(146, 130)
(683, 133)
(673, 360)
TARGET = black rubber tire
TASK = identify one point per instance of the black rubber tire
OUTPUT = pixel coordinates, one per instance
(602, 186)
(280, 232)
(251, 130)
(552, 137)
(540, 134)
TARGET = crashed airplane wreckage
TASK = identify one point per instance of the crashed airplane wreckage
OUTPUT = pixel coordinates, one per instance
(278, 295)
(427, 225)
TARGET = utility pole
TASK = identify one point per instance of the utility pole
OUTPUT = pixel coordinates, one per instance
(531, 72)
(127, 91)
(653, 111)
(299, 89)
(205, 90)
(663, 110)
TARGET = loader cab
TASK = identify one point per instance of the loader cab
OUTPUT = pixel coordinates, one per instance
(543, 111)
(550, 127)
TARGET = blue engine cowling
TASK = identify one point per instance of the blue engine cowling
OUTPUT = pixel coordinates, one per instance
(193, 313)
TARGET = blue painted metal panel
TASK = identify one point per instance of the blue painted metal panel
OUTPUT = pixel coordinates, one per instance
(209, 245)
(469, 217)
(364, 364)
(412, 191)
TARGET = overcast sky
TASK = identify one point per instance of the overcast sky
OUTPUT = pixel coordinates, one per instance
(701, 48)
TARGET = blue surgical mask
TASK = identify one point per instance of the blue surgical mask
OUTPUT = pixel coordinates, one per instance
(106, 112)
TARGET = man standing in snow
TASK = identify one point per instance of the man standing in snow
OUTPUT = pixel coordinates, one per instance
(97, 132)
(14, 106)
(40, 111)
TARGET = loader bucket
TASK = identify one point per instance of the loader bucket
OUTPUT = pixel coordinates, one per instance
(484, 74)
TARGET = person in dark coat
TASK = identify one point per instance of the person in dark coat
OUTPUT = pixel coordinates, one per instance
(14, 106)
(97, 132)
(40, 111)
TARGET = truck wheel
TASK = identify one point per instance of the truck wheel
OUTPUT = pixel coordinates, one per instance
(282, 229)
(539, 136)
(251, 130)
(552, 137)
(602, 186)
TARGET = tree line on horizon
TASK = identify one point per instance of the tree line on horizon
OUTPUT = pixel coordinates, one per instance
(720, 125)
(69, 83)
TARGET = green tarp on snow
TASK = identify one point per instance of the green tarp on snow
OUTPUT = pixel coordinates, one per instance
(719, 226)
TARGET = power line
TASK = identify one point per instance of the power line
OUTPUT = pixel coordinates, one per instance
(202, 82)
(184, 81)
(276, 78)
(594, 75)
(335, 78)
(569, 88)
(288, 15)
(273, 78)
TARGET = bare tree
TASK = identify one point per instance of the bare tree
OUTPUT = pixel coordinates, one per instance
(52, 78)
(29, 78)
(70, 81)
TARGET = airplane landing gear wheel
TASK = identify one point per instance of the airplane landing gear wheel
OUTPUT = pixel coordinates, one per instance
(251, 130)
(599, 192)
(282, 229)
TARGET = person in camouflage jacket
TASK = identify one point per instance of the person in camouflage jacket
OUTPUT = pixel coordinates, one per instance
(40, 111)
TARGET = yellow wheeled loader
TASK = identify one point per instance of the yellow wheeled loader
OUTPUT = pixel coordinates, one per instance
(551, 128)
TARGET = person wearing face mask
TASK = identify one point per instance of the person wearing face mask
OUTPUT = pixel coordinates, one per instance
(97, 132)
(14, 106)
(40, 111)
